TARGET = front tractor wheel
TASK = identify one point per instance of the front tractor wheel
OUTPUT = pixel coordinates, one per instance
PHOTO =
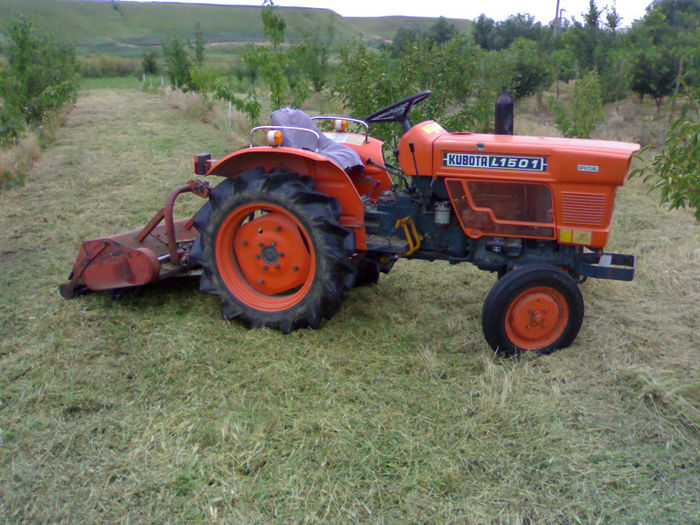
(274, 252)
(534, 308)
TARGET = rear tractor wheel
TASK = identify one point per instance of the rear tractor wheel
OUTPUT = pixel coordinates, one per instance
(273, 251)
(534, 308)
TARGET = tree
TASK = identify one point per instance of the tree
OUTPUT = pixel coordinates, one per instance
(494, 36)
(182, 61)
(654, 73)
(197, 48)
(439, 33)
(613, 19)
(664, 46)
(285, 84)
(585, 110)
(149, 63)
(368, 79)
(528, 70)
(309, 57)
(177, 63)
(442, 31)
(41, 76)
(403, 39)
(584, 39)
(674, 171)
(483, 32)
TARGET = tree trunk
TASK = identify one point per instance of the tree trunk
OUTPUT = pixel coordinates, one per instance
(675, 89)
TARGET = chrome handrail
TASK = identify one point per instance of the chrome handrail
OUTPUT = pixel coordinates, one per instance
(351, 119)
(294, 128)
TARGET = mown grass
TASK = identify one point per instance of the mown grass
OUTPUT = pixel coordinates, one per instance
(151, 409)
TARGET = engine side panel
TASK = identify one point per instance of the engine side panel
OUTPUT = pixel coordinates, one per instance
(582, 176)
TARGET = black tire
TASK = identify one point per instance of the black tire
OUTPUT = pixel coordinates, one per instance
(533, 308)
(246, 228)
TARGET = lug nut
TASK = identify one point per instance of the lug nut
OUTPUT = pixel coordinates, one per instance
(265, 267)
(244, 243)
(260, 281)
(257, 256)
(278, 228)
(261, 244)
(277, 266)
(295, 268)
(273, 243)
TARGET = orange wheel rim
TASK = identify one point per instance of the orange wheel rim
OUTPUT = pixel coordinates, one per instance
(265, 257)
(536, 318)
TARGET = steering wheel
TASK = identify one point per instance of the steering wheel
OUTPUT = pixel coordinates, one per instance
(398, 111)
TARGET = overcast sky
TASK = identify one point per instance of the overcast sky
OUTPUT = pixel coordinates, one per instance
(543, 11)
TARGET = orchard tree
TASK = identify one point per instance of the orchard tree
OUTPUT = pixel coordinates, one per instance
(674, 171)
(41, 76)
(654, 73)
(484, 32)
(285, 82)
(450, 70)
(580, 117)
(149, 63)
(493, 36)
(442, 31)
(184, 60)
(665, 48)
(309, 57)
(177, 63)
(528, 70)
(197, 47)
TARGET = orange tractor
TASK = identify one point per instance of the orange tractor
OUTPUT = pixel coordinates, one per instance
(297, 222)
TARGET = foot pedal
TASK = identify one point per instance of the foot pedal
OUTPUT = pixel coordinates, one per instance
(413, 238)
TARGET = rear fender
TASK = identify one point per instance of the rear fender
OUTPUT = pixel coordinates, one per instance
(329, 178)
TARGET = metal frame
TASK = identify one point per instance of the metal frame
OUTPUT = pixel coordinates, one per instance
(294, 128)
(349, 119)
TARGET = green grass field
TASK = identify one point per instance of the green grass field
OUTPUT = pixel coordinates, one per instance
(151, 409)
(132, 29)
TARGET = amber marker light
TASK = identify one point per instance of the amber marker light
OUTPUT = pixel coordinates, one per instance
(274, 137)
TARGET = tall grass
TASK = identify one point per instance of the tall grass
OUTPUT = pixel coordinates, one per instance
(109, 66)
(16, 161)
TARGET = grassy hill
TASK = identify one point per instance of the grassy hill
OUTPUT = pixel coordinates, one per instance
(126, 28)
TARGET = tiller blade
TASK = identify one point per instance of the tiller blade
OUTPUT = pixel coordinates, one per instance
(134, 258)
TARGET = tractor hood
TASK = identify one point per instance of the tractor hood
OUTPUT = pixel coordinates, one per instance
(442, 154)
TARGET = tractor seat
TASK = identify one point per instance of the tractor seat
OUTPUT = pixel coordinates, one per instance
(341, 154)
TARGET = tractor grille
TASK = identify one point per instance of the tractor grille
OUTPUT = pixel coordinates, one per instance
(583, 208)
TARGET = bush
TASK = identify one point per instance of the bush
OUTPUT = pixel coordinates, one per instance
(149, 63)
(108, 66)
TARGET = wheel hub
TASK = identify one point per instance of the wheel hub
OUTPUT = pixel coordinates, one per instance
(272, 254)
(269, 254)
(536, 318)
